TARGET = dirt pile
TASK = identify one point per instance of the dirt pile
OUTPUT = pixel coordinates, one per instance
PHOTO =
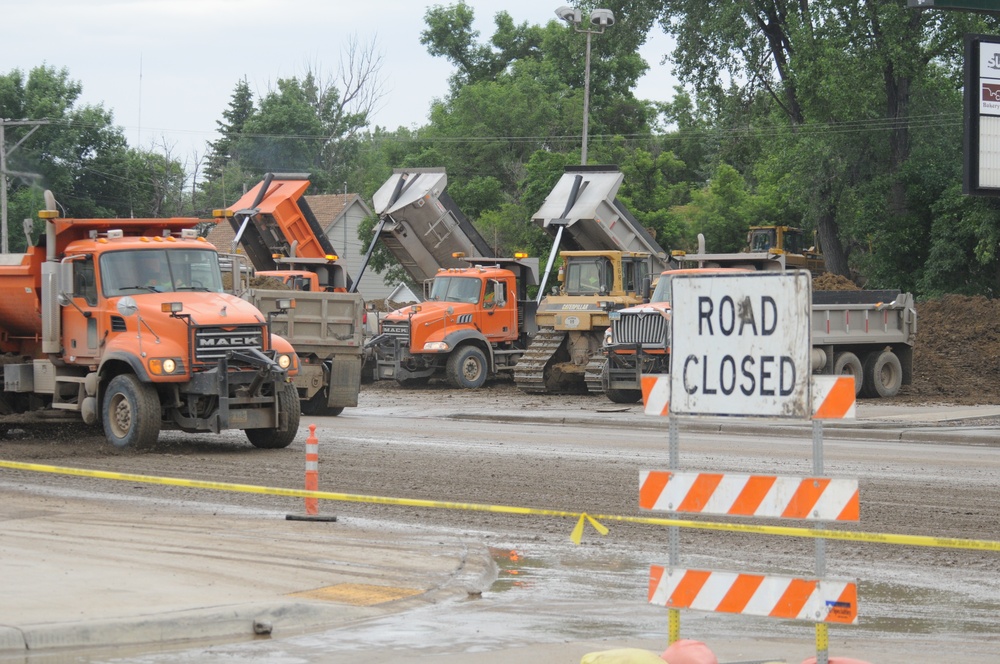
(956, 357)
(833, 282)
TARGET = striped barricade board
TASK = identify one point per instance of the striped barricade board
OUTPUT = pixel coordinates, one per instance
(733, 494)
(769, 596)
(832, 396)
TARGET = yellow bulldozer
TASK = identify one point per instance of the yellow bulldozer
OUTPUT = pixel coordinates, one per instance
(767, 248)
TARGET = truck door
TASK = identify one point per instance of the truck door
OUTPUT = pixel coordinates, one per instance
(498, 315)
(80, 319)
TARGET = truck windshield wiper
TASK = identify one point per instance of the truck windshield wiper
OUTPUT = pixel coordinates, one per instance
(193, 288)
(151, 289)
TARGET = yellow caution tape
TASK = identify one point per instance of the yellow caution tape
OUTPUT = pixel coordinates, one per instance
(581, 517)
(577, 534)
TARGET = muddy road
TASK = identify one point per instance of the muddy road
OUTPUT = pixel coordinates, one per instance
(582, 453)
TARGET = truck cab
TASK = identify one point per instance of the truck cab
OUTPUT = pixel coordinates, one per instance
(637, 340)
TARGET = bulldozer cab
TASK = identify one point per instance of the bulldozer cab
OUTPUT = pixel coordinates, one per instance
(588, 276)
(605, 273)
(776, 240)
(762, 239)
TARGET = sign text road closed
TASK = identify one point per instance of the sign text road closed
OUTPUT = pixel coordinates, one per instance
(741, 344)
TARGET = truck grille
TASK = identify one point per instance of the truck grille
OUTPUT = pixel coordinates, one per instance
(211, 343)
(646, 328)
(399, 330)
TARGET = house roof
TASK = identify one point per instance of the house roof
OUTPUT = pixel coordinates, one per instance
(328, 208)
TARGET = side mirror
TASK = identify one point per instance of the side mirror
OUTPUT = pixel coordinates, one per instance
(127, 306)
(499, 295)
(65, 274)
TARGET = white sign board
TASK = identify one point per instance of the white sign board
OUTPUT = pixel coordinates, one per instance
(989, 78)
(740, 344)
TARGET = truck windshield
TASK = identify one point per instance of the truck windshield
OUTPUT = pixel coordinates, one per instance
(160, 271)
(662, 292)
(456, 289)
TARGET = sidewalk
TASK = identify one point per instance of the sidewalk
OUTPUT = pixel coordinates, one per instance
(76, 574)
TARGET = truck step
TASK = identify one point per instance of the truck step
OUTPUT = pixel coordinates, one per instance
(595, 368)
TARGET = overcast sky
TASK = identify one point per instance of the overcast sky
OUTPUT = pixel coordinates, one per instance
(168, 68)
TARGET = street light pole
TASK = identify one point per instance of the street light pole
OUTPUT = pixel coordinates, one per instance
(602, 18)
(586, 100)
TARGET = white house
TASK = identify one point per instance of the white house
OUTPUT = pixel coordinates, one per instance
(340, 215)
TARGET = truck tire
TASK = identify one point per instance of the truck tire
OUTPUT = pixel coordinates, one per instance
(848, 364)
(467, 368)
(131, 413)
(272, 439)
(624, 396)
(883, 375)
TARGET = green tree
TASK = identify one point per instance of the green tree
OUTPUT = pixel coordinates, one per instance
(522, 91)
(80, 155)
(241, 109)
(830, 87)
(309, 124)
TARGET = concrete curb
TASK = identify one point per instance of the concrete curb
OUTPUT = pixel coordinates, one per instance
(882, 431)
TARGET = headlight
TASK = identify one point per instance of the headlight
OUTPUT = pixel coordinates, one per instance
(607, 337)
(160, 366)
(438, 346)
(284, 361)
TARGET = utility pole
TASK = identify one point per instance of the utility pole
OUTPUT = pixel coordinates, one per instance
(35, 124)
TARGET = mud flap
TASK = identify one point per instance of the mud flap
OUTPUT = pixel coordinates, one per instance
(345, 381)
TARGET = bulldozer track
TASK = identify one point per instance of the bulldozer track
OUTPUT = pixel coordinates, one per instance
(529, 372)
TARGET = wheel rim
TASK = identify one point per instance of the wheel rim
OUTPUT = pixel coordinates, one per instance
(121, 416)
(471, 370)
(887, 376)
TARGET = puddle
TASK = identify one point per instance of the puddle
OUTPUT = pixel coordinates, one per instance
(899, 609)
(514, 570)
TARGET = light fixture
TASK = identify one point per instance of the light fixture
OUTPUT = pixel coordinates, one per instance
(602, 18)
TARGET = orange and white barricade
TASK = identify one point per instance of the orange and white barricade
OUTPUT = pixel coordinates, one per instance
(770, 596)
(734, 494)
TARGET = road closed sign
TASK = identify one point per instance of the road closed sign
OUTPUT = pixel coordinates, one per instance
(740, 344)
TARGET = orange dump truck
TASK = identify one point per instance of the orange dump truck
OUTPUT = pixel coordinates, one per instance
(475, 324)
(125, 322)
